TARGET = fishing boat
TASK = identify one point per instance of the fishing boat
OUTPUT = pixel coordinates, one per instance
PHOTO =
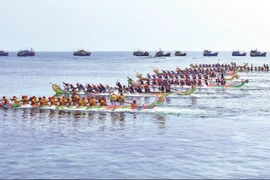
(3, 53)
(140, 53)
(256, 53)
(160, 53)
(82, 53)
(238, 53)
(24, 53)
(180, 53)
(209, 53)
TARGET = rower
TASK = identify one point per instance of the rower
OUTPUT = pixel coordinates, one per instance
(69, 102)
(147, 88)
(84, 101)
(93, 101)
(168, 87)
(134, 103)
(6, 101)
(80, 103)
(66, 86)
(223, 82)
(217, 80)
(121, 99)
(25, 99)
(60, 102)
(131, 89)
(45, 101)
(113, 99)
(102, 88)
(103, 101)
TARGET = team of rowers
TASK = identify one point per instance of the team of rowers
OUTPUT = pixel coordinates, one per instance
(199, 75)
(75, 100)
(264, 67)
(231, 66)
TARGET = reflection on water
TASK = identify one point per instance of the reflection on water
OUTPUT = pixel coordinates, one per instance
(161, 119)
(193, 100)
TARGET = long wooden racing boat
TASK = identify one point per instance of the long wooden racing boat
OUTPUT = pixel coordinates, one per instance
(175, 92)
(157, 102)
(231, 85)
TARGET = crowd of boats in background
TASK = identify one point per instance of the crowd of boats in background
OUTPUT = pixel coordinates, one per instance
(31, 52)
(160, 53)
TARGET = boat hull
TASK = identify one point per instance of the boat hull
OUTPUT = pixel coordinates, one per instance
(82, 54)
(163, 55)
(27, 54)
(239, 54)
(4, 54)
(258, 55)
(211, 54)
(180, 54)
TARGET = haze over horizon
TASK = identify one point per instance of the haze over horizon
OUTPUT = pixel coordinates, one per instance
(122, 25)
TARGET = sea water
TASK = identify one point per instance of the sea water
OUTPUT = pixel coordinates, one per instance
(213, 133)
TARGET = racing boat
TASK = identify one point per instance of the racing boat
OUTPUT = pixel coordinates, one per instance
(159, 100)
(213, 85)
(56, 88)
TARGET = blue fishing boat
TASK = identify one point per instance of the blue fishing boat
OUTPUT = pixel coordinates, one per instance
(82, 53)
(256, 53)
(3, 53)
(209, 53)
(238, 53)
(24, 53)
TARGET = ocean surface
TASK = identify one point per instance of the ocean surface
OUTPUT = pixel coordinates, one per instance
(213, 133)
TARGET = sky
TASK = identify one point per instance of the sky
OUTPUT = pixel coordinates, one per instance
(121, 25)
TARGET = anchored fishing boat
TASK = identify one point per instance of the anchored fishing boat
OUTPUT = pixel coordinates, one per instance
(238, 53)
(3, 53)
(140, 53)
(209, 53)
(82, 53)
(256, 53)
(24, 53)
(160, 53)
(180, 53)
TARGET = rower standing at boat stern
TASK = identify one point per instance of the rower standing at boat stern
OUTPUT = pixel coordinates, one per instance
(121, 99)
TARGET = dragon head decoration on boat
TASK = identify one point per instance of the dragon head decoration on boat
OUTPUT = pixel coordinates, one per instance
(155, 71)
(139, 75)
(56, 88)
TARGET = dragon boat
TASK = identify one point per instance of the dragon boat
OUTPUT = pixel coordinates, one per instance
(158, 101)
(141, 78)
(56, 88)
(214, 85)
